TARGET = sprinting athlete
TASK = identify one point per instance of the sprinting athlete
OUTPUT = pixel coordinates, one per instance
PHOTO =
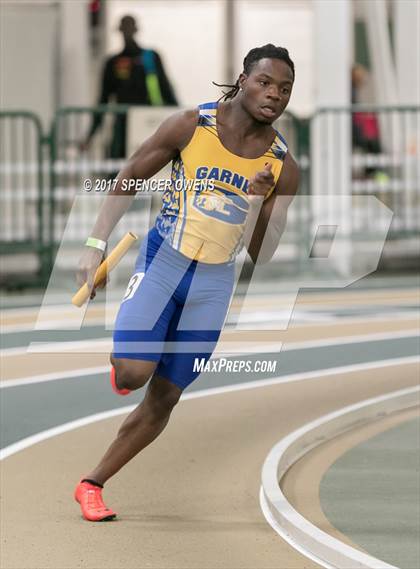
(176, 301)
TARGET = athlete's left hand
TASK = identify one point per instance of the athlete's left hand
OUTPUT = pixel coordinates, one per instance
(262, 182)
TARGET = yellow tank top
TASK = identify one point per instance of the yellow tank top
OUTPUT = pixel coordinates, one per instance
(204, 210)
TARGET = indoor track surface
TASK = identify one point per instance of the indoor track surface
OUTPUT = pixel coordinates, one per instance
(191, 499)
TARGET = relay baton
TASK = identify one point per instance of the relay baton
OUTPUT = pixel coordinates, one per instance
(105, 267)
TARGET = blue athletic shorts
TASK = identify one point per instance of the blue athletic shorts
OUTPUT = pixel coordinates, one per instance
(173, 310)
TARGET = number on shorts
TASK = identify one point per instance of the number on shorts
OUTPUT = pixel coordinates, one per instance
(133, 285)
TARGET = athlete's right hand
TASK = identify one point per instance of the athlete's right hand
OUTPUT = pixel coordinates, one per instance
(262, 182)
(88, 265)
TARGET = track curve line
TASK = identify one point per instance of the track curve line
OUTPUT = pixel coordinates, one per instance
(308, 539)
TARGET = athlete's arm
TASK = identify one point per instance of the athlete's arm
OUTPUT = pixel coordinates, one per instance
(162, 147)
(272, 216)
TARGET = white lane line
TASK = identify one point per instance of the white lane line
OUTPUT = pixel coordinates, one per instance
(288, 522)
(324, 314)
(54, 376)
(252, 350)
(59, 302)
(73, 317)
(318, 374)
(62, 325)
(18, 351)
(105, 344)
(62, 305)
(273, 316)
(98, 345)
(356, 339)
(84, 346)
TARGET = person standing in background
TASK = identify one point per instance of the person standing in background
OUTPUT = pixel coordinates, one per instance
(365, 126)
(135, 76)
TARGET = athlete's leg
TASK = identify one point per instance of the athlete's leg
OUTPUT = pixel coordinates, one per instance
(139, 337)
(196, 324)
(140, 428)
(132, 374)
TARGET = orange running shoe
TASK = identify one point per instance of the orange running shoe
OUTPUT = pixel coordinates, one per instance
(90, 500)
(114, 384)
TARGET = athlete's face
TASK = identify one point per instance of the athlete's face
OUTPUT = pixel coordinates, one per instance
(266, 90)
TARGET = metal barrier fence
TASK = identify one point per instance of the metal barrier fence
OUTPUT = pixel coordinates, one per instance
(372, 151)
(72, 163)
(41, 176)
(23, 199)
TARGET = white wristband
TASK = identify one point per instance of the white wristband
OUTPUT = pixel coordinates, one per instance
(96, 243)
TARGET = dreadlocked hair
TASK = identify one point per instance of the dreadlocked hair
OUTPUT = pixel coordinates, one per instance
(269, 51)
(233, 90)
